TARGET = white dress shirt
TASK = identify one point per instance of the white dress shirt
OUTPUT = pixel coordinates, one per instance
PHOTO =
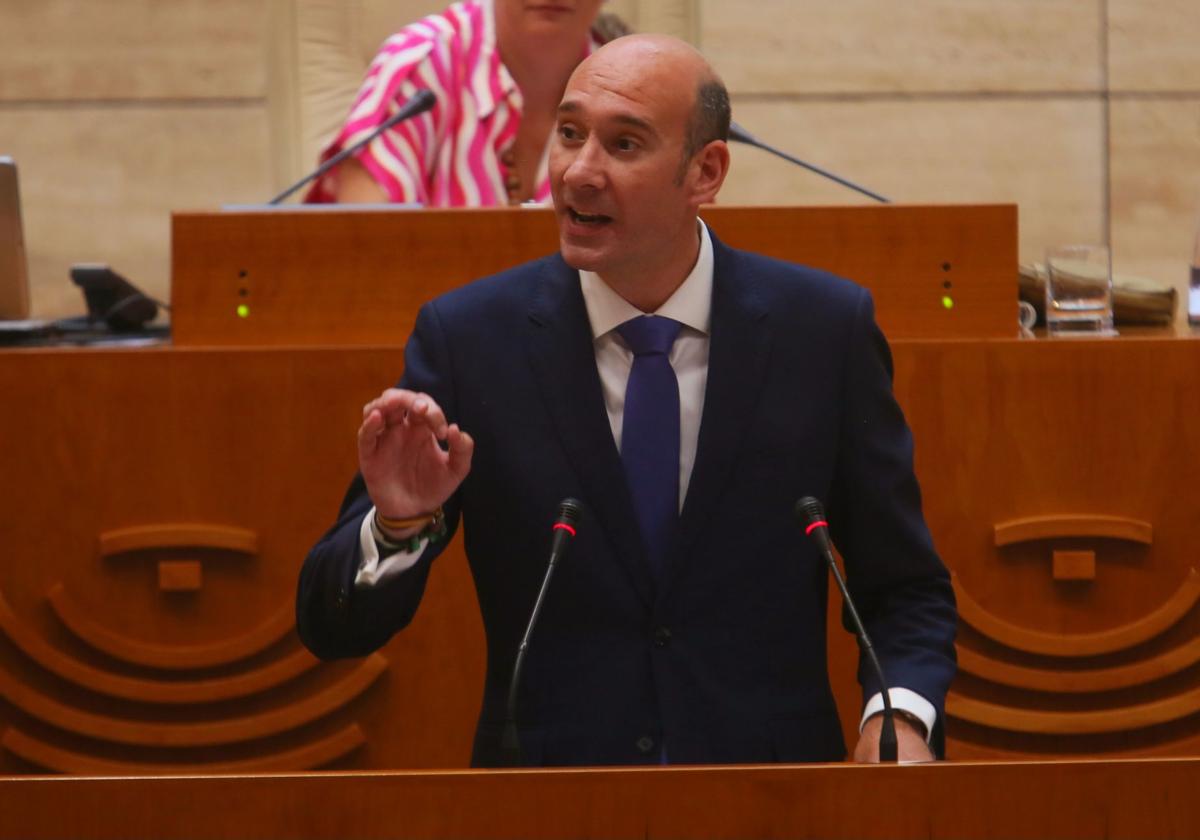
(691, 305)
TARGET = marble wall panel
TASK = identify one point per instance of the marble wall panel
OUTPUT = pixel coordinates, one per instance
(1045, 155)
(1155, 170)
(1152, 45)
(98, 185)
(132, 49)
(834, 46)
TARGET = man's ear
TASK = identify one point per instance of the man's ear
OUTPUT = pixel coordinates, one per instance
(708, 171)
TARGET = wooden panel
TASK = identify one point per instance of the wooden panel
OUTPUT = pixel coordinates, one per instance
(164, 436)
(1005, 431)
(180, 575)
(132, 49)
(1074, 565)
(1044, 155)
(339, 276)
(1152, 45)
(306, 757)
(98, 183)
(1060, 799)
(1011, 431)
(808, 46)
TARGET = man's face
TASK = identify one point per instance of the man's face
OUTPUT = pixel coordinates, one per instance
(615, 167)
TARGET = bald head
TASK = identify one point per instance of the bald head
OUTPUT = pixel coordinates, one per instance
(662, 60)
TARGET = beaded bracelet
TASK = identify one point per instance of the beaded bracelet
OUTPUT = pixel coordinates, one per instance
(434, 530)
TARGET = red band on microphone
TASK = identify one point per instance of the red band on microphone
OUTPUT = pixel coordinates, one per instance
(820, 523)
(565, 527)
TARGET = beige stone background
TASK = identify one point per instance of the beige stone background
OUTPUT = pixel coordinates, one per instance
(1086, 113)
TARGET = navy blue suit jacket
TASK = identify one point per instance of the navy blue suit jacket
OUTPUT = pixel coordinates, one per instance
(723, 659)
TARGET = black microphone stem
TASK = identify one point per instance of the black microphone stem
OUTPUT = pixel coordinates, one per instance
(420, 102)
(888, 749)
(510, 742)
(812, 516)
(740, 135)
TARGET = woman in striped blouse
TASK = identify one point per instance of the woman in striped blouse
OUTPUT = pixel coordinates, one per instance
(498, 69)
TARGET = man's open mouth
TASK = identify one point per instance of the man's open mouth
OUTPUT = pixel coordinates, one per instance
(588, 218)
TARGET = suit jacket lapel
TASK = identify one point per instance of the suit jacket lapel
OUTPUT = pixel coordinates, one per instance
(563, 360)
(739, 348)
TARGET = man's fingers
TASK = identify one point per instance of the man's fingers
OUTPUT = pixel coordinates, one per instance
(461, 448)
(399, 407)
(424, 410)
(368, 433)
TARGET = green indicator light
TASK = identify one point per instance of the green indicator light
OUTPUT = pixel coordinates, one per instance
(243, 311)
(947, 302)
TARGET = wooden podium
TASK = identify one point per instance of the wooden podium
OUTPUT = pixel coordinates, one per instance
(159, 502)
(1109, 799)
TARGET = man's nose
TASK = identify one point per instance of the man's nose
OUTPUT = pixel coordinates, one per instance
(586, 168)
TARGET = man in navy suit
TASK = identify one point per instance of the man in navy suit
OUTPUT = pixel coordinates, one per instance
(693, 634)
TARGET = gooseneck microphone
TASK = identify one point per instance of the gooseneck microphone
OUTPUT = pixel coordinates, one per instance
(811, 516)
(563, 531)
(740, 135)
(420, 102)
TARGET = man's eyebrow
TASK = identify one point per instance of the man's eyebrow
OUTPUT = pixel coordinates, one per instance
(571, 107)
(636, 122)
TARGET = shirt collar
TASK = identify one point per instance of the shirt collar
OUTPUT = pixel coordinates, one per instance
(690, 304)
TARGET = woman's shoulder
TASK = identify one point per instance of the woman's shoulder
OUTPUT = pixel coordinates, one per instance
(448, 32)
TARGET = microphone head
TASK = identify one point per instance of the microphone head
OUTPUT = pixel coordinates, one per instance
(809, 510)
(568, 512)
(422, 100)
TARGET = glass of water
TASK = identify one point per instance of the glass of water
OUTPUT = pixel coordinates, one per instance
(1079, 295)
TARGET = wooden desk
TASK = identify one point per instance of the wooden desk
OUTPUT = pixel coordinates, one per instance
(1102, 799)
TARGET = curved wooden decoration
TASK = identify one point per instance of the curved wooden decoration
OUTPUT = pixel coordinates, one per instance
(307, 757)
(150, 691)
(178, 535)
(1073, 525)
(172, 657)
(150, 734)
(1120, 719)
(1080, 682)
(1082, 644)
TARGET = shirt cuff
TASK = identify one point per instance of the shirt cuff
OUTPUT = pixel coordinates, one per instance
(906, 700)
(375, 568)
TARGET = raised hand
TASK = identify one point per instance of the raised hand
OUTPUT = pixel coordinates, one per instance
(406, 470)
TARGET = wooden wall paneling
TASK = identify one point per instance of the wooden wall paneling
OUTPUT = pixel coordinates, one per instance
(1077, 435)
(103, 671)
(1066, 429)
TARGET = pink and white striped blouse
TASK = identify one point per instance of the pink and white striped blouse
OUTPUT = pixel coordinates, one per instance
(450, 156)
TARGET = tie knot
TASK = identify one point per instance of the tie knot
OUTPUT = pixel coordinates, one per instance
(649, 335)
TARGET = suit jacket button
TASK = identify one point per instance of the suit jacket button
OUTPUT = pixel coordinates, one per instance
(645, 744)
(662, 636)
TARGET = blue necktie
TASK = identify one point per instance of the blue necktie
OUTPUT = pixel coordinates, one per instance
(650, 433)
